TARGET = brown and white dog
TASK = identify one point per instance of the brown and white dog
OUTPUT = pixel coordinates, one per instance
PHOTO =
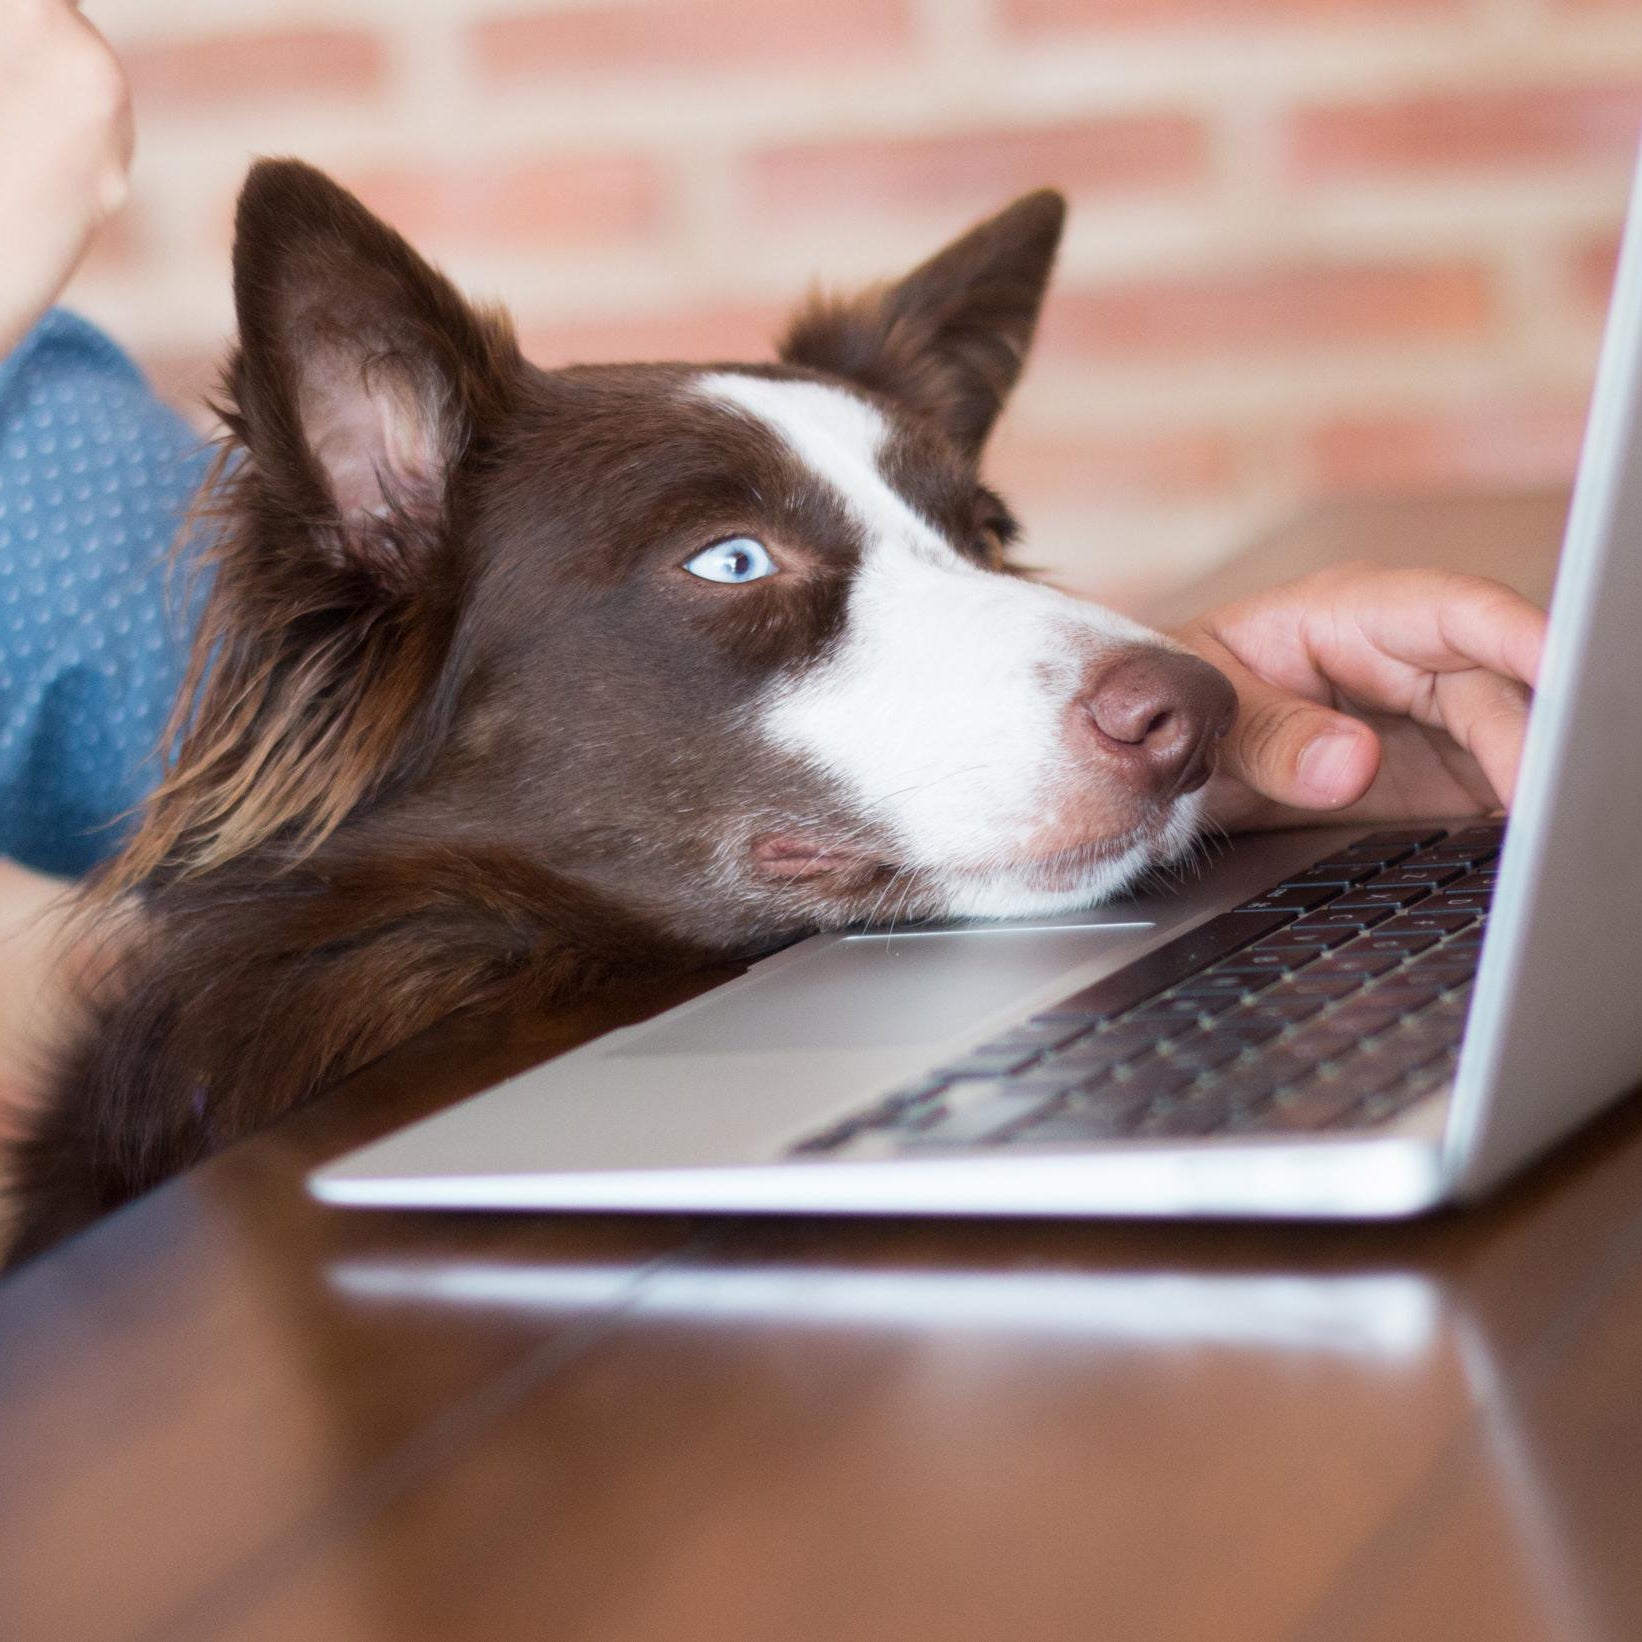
(513, 680)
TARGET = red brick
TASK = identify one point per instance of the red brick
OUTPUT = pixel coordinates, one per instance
(280, 65)
(1089, 468)
(1465, 130)
(979, 169)
(1063, 17)
(697, 37)
(1522, 443)
(1276, 308)
(544, 204)
(730, 333)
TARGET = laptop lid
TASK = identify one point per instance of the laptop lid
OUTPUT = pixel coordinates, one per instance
(1555, 1030)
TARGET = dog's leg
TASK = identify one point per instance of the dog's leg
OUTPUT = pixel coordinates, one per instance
(243, 999)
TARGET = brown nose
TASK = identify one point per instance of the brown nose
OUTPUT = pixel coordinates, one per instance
(1157, 714)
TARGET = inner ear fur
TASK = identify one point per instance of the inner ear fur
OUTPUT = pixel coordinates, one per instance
(361, 388)
(362, 376)
(949, 339)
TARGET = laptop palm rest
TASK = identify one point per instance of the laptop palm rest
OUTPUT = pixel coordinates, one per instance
(885, 991)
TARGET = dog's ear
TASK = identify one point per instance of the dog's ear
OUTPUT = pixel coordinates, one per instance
(362, 388)
(361, 376)
(950, 338)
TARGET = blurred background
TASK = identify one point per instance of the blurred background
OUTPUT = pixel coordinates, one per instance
(1317, 246)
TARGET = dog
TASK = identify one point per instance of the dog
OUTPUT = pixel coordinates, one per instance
(511, 681)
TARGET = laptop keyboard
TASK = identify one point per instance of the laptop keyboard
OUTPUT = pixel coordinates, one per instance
(1336, 998)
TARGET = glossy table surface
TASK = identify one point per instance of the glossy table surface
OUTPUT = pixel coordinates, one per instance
(228, 1412)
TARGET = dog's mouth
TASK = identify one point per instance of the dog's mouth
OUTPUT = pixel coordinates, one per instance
(792, 857)
(844, 866)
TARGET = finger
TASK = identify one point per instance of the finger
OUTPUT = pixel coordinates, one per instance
(1436, 624)
(1292, 750)
(1488, 716)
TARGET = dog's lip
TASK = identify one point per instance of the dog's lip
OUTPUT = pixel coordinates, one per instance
(795, 856)
(1074, 857)
(792, 855)
(1064, 868)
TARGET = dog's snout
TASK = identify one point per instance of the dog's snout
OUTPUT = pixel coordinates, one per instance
(1158, 714)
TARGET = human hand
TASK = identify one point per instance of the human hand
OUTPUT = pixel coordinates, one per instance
(1372, 695)
(65, 150)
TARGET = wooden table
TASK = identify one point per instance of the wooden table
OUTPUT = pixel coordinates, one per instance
(227, 1412)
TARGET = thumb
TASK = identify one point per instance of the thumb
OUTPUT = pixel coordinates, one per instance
(1294, 751)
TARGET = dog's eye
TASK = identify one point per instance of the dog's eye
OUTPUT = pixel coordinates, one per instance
(740, 559)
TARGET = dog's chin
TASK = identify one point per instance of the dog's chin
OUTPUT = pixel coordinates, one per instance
(859, 884)
(1074, 879)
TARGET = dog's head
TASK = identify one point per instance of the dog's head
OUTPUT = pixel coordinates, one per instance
(738, 645)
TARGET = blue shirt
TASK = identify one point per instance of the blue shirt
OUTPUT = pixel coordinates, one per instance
(95, 478)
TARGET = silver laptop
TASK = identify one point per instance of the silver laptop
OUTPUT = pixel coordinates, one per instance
(1317, 1027)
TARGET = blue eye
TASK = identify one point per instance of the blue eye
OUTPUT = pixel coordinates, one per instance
(739, 559)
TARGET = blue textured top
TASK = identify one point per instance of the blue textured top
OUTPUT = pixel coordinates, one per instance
(95, 477)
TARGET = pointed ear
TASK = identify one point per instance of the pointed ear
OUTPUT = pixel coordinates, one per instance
(361, 383)
(361, 376)
(950, 338)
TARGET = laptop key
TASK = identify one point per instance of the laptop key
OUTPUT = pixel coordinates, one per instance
(988, 1063)
(1427, 1079)
(1421, 922)
(1346, 872)
(1206, 1113)
(976, 1112)
(1363, 1017)
(1414, 837)
(1156, 1078)
(1290, 1007)
(1284, 960)
(1480, 882)
(1450, 856)
(1174, 1008)
(1409, 943)
(1412, 875)
(1404, 942)
(1376, 857)
(1327, 1040)
(1404, 991)
(1172, 962)
(1373, 894)
(1324, 982)
(1343, 917)
(1215, 982)
(1319, 938)
(1249, 1029)
(1106, 1050)
(1081, 1121)
(1043, 1035)
(1457, 900)
(1319, 1103)
(1444, 975)
(1207, 1051)
(1288, 1060)
(1293, 897)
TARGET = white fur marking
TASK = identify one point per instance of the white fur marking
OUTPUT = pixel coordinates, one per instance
(944, 712)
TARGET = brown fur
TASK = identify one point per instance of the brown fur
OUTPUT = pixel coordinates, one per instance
(455, 734)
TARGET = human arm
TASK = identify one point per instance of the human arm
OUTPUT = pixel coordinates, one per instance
(65, 148)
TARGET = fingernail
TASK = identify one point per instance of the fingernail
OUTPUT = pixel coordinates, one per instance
(1323, 762)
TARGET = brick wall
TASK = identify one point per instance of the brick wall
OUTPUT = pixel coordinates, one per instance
(1317, 245)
